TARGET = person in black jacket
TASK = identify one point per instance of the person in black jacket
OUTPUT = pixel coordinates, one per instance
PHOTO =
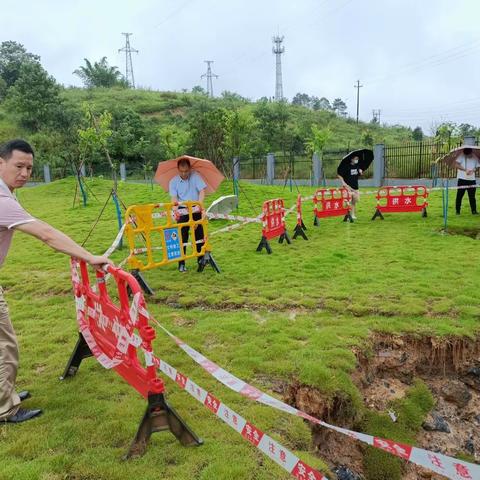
(348, 175)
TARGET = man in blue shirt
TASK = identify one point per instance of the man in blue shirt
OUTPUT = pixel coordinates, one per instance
(187, 185)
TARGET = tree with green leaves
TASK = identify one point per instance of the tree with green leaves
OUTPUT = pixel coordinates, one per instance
(241, 139)
(318, 139)
(94, 139)
(174, 140)
(445, 132)
(13, 56)
(467, 130)
(367, 138)
(128, 135)
(321, 104)
(273, 120)
(417, 134)
(198, 90)
(302, 99)
(207, 131)
(339, 107)
(233, 98)
(35, 98)
(100, 74)
(3, 89)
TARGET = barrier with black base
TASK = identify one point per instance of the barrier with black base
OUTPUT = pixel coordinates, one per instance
(116, 334)
(332, 202)
(408, 198)
(273, 224)
(300, 226)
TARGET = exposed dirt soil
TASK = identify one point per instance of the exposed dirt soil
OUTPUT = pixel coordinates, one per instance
(468, 232)
(450, 368)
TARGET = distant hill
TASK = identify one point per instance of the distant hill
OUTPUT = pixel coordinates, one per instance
(149, 126)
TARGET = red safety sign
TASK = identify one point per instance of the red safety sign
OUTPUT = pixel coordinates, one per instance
(332, 202)
(401, 199)
(118, 335)
(273, 221)
(300, 226)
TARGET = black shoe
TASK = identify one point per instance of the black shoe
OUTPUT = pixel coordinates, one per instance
(24, 395)
(457, 212)
(475, 213)
(23, 415)
(182, 268)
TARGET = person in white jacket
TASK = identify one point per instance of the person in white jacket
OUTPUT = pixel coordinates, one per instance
(466, 165)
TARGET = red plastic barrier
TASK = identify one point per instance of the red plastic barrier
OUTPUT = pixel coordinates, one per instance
(401, 199)
(273, 220)
(300, 226)
(116, 334)
(332, 202)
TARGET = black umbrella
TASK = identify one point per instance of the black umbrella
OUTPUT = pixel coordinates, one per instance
(365, 158)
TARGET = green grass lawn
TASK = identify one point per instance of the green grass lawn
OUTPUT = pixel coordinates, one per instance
(295, 315)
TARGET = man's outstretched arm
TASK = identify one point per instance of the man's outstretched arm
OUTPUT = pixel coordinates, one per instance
(60, 242)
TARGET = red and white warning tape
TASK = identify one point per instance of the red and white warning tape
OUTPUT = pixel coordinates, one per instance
(178, 211)
(233, 227)
(257, 219)
(450, 467)
(292, 209)
(236, 218)
(140, 250)
(116, 242)
(266, 444)
(218, 216)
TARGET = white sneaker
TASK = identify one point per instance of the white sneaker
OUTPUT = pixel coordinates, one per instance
(353, 217)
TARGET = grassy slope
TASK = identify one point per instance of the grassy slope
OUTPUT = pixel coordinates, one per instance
(170, 107)
(294, 314)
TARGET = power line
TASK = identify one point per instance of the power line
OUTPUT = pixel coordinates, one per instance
(173, 13)
(129, 77)
(431, 61)
(457, 105)
(209, 76)
(436, 111)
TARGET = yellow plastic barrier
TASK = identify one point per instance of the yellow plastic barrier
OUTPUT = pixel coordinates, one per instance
(155, 236)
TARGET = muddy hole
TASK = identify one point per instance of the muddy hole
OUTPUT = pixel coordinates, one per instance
(384, 376)
(467, 232)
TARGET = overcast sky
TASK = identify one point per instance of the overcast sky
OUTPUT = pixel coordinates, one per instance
(418, 60)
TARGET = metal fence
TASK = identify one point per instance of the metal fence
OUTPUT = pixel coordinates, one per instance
(296, 167)
(253, 168)
(56, 173)
(412, 160)
(418, 160)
